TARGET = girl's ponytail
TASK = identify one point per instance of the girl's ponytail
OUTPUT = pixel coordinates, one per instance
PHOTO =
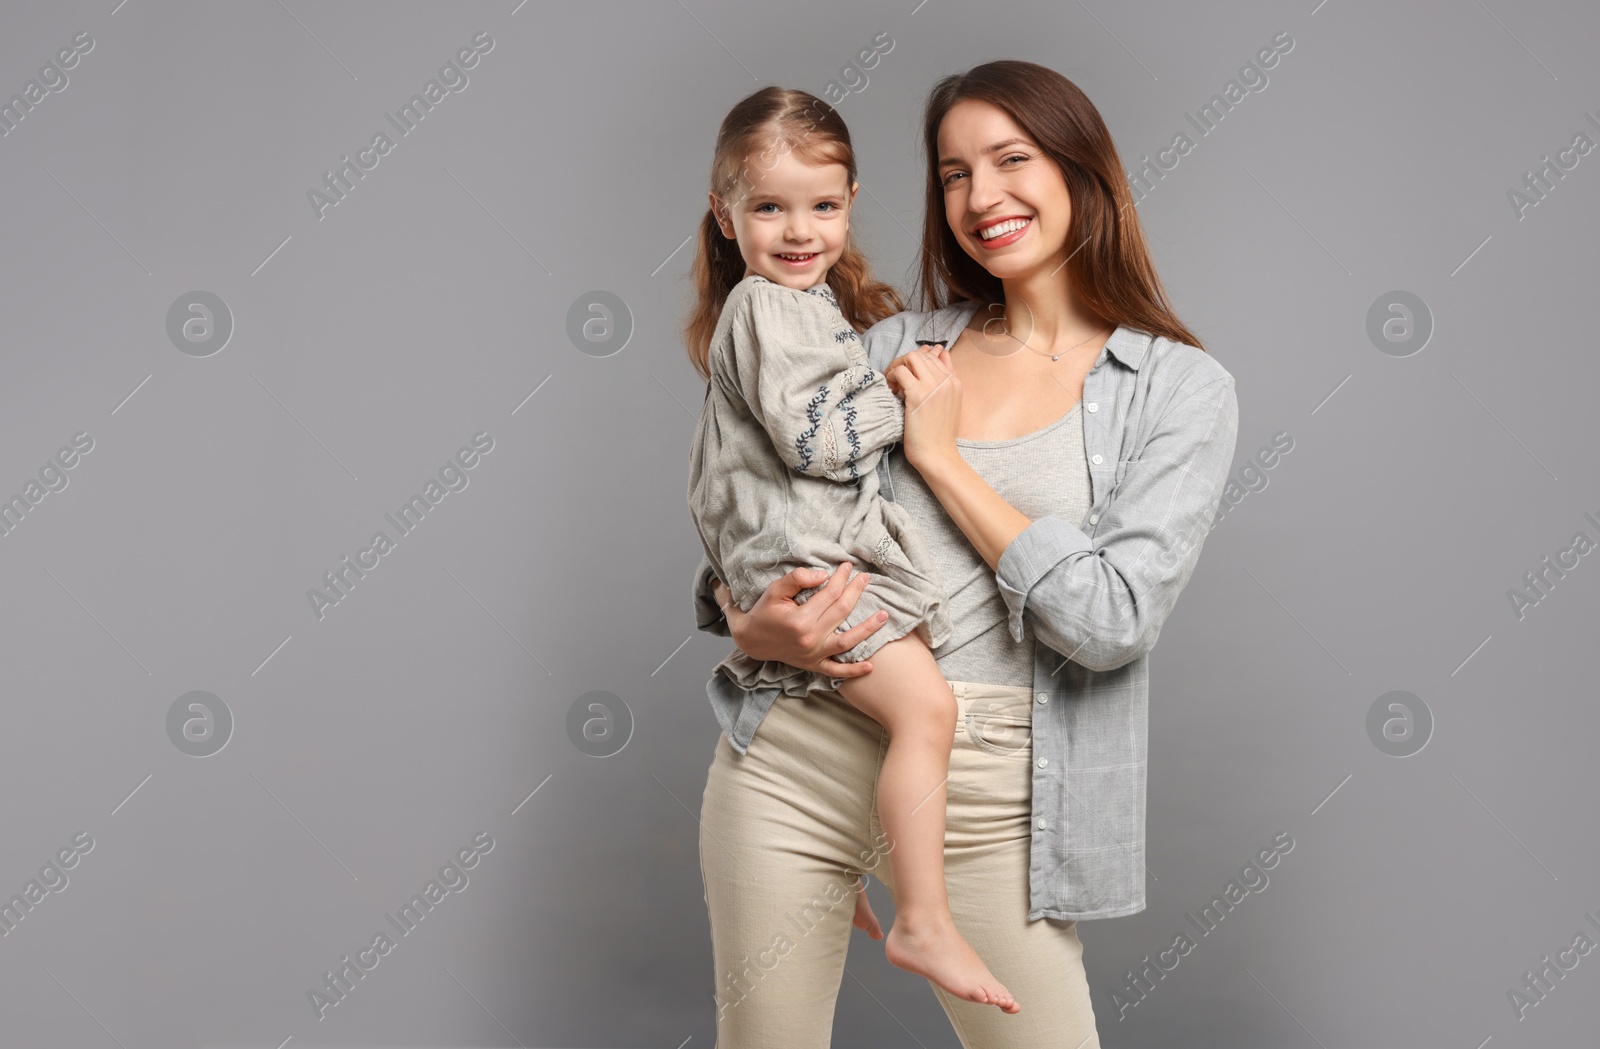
(718, 266)
(863, 300)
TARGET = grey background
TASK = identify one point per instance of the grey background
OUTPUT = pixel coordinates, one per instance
(432, 703)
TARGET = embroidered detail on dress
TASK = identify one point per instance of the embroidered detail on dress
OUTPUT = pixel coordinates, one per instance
(823, 291)
(849, 411)
(884, 545)
(802, 443)
(820, 290)
(830, 452)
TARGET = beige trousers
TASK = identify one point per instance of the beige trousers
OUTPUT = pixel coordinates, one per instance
(786, 829)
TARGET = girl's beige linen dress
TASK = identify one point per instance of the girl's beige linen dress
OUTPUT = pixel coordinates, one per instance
(783, 472)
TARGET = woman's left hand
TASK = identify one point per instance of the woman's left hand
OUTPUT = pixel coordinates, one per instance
(932, 395)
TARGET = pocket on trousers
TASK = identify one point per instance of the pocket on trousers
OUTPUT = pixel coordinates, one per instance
(1002, 727)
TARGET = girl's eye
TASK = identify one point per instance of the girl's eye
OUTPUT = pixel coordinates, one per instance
(829, 205)
(760, 206)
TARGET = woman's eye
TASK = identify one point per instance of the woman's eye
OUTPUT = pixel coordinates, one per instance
(950, 176)
(1015, 156)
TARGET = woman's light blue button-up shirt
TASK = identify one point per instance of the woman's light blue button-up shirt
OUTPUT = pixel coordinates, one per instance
(1160, 420)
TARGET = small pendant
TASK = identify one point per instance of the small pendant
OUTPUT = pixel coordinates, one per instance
(1055, 356)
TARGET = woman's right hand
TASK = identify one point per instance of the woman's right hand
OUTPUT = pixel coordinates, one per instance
(802, 635)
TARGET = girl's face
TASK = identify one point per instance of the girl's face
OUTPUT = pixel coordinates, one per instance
(791, 218)
(998, 181)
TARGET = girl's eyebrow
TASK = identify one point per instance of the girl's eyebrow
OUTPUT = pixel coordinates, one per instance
(946, 161)
(774, 198)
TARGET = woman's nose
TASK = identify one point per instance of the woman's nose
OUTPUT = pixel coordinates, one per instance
(982, 193)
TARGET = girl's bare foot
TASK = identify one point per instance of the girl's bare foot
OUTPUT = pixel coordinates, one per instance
(936, 950)
(865, 920)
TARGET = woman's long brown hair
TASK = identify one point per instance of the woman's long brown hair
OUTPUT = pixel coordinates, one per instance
(760, 127)
(1109, 268)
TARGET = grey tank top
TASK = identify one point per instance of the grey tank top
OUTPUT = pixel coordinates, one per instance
(1044, 472)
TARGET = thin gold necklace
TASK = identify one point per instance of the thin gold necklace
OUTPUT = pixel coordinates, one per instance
(1055, 356)
(1043, 353)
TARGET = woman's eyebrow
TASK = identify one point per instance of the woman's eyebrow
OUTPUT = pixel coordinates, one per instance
(943, 161)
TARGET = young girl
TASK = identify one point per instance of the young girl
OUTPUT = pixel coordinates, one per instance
(783, 473)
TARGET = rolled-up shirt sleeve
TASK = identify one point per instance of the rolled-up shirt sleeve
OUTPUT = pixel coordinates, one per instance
(1101, 602)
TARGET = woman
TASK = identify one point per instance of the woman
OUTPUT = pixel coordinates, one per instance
(1064, 457)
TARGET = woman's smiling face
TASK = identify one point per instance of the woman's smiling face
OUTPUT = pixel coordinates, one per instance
(998, 181)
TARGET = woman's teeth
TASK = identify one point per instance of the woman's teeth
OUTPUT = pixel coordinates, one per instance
(1000, 229)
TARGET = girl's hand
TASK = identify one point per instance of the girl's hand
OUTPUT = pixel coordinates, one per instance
(893, 379)
(802, 635)
(932, 396)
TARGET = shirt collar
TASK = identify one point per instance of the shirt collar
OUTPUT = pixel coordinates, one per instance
(821, 289)
(1128, 345)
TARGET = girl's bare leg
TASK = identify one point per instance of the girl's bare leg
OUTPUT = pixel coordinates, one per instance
(906, 694)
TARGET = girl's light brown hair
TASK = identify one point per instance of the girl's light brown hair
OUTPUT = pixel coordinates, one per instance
(1109, 268)
(760, 128)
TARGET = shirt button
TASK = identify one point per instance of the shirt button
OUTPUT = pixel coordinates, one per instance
(1095, 459)
(1044, 697)
(1043, 825)
(1093, 407)
(1094, 518)
(1043, 762)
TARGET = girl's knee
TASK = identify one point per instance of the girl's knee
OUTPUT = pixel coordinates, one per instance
(925, 713)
